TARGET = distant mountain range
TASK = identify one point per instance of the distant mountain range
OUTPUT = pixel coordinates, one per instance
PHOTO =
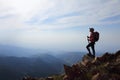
(70, 57)
(13, 66)
(10, 50)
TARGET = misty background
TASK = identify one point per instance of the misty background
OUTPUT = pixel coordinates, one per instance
(38, 36)
(59, 25)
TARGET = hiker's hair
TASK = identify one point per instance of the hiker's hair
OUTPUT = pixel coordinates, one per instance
(91, 29)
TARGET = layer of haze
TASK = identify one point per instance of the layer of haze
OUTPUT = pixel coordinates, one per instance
(59, 25)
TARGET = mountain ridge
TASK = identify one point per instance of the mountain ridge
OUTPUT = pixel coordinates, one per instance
(41, 65)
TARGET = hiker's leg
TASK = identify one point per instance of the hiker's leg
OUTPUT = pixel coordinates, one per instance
(93, 48)
(88, 48)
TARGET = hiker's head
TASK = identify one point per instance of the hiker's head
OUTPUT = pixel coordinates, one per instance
(91, 29)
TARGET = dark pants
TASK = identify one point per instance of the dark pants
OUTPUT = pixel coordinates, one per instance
(91, 44)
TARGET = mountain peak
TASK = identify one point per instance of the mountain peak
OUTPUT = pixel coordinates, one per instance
(99, 68)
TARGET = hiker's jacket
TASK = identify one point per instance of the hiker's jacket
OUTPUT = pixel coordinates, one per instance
(91, 38)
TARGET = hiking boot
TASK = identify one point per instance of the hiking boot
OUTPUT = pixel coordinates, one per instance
(89, 54)
(93, 56)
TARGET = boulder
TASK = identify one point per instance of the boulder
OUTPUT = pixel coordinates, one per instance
(86, 60)
(74, 72)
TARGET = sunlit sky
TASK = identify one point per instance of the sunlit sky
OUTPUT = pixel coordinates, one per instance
(59, 24)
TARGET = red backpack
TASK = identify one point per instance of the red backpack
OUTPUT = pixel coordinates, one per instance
(96, 36)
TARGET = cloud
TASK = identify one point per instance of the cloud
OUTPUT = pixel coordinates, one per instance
(54, 23)
(66, 14)
(53, 14)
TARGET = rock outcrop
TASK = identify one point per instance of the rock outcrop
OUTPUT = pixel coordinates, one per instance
(106, 67)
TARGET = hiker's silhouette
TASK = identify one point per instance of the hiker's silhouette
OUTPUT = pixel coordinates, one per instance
(91, 42)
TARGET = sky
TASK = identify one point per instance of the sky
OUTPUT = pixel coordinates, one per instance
(60, 25)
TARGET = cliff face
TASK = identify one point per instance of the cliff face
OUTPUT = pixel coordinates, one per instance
(106, 67)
